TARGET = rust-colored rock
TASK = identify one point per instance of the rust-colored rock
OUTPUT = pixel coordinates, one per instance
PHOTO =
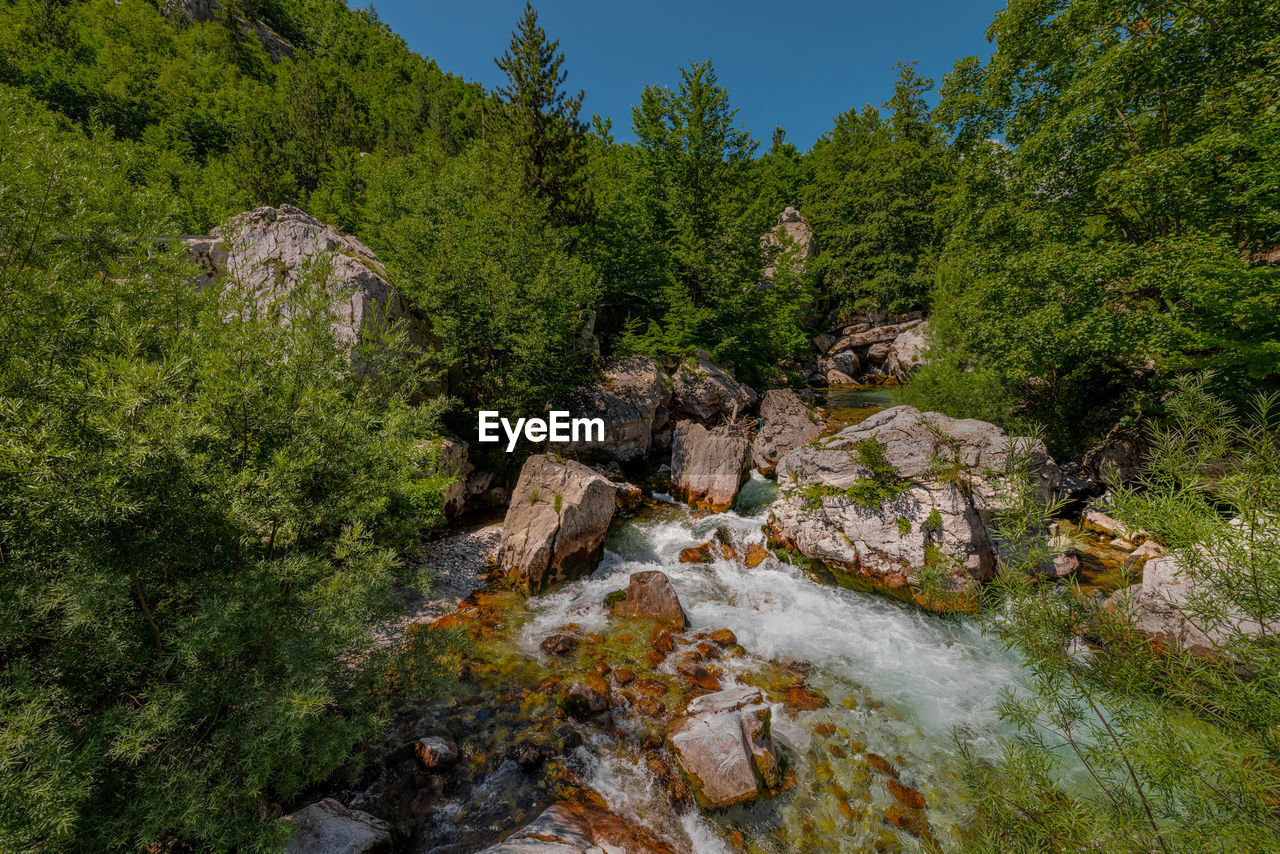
(624, 675)
(700, 676)
(559, 644)
(756, 555)
(663, 642)
(905, 794)
(724, 637)
(803, 700)
(649, 595)
(697, 554)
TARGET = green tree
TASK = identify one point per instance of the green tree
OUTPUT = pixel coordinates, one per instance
(875, 201)
(201, 515)
(541, 119)
(1129, 744)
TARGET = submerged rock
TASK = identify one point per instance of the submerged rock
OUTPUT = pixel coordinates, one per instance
(649, 595)
(555, 527)
(902, 501)
(785, 423)
(436, 751)
(328, 827)
(724, 747)
(708, 466)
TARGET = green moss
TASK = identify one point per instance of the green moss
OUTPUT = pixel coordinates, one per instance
(935, 520)
(904, 525)
(614, 597)
(883, 485)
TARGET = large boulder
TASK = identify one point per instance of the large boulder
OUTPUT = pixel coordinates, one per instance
(903, 501)
(785, 423)
(268, 250)
(628, 398)
(724, 747)
(907, 352)
(556, 522)
(708, 466)
(707, 393)
(574, 828)
(328, 827)
(862, 335)
(649, 595)
(794, 242)
(1165, 606)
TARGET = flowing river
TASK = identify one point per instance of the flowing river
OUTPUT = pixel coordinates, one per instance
(901, 684)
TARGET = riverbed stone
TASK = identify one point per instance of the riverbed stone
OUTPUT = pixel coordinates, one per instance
(436, 751)
(946, 483)
(649, 595)
(785, 423)
(328, 827)
(578, 828)
(724, 746)
(708, 466)
(556, 523)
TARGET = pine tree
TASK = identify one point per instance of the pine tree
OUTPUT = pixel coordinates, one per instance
(540, 119)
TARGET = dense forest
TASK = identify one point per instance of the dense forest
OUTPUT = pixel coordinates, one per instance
(193, 542)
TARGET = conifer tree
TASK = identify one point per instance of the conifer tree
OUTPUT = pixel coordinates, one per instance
(540, 119)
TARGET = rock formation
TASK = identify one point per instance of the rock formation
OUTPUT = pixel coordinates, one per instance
(328, 827)
(708, 466)
(707, 393)
(556, 523)
(268, 250)
(572, 828)
(631, 397)
(649, 595)
(901, 497)
(725, 749)
(785, 423)
(794, 242)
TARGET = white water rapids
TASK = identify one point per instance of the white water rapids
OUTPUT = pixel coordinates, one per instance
(899, 682)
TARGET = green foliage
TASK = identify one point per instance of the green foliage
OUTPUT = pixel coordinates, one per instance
(874, 201)
(201, 514)
(1108, 243)
(1126, 745)
(883, 485)
(542, 122)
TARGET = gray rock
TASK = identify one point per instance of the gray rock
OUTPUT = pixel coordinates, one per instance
(707, 393)
(951, 476)
(865, 337)
(846, 362)
(794, 242)
(1164, 608)
(878, 354)
(785, 423)
(724, 746)
(708, 466)
(327, 827)
(556, 522)
(268, 249)
(908, 351)
(834, 377)
(631, 397)
(452, 459)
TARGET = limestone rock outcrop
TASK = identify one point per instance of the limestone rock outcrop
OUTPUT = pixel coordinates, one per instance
(706, 392)
(907, 352)
(785, 423)
(794, 242)
(556, 523)
(631, 398)
(268, 250)
(1163, 608)
(328, 827)
(902, 496)
(725, 748)
(708, 466)
(572, 828)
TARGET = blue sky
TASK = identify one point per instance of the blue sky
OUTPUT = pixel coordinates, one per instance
(796, 65)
